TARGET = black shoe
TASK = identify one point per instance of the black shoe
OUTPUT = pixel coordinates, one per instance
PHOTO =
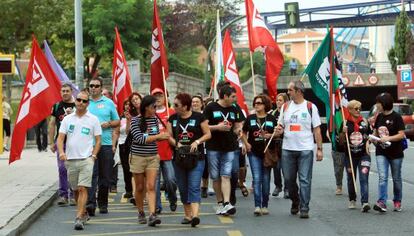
(103, 210)
(132, 200)
(294, 209)
(185, 221)
(173, 207)
(158, 211)
(195, 221)
(204, 192)
(286, 195)
(91, 211)
(304, 215)
(153, 220)
(128, 195)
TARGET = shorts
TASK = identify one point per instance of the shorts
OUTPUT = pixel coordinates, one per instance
(6, 127)
(220, 163)
(80, 172)
(138, 164)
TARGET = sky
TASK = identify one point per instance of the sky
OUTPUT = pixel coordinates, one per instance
(277, 5)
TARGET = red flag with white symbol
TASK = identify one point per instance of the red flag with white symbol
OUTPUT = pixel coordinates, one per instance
(260, 37)
(159, 56)
(231, 73)
(40, 93)
(120, 75)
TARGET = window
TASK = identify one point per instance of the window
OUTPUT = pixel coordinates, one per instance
(287, 48)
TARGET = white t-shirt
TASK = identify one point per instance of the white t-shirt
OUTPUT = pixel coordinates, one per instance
(80, 134)
(298, 135)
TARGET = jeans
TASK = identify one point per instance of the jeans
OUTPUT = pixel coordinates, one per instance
(189, 183)
(123, 155)
(338, 163)
(363, 165)
(64, 188)
(383, 164)
(261, 180)
(221, 163)
(168, 174)
(234, 179)
(298, 163)
(101, 178)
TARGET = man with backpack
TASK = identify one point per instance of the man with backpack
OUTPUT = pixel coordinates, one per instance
(299, 123)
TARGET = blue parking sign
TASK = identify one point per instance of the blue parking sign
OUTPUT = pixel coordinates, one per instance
(406, 76)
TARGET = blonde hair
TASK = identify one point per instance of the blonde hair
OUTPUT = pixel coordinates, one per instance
(354, 103)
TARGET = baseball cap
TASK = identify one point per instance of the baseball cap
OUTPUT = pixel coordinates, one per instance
(157, 90)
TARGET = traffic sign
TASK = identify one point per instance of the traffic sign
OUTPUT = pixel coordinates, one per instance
(406, 76)
(345, 80)
(373, 80)
(359, 81)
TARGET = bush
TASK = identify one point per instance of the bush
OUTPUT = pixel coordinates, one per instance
(178, 66)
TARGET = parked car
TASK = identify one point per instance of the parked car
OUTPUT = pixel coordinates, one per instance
(406, 113)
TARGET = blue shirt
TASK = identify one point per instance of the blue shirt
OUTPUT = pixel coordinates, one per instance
(105, 110)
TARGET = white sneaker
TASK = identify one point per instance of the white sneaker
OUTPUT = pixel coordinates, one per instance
(352, 204)
(219, 209)
(265, 211)
(257, 211)
(228, 210)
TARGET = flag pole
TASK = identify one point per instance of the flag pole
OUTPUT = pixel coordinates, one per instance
(165, 92)
(278, 124)
(254, 81)
(347, 144)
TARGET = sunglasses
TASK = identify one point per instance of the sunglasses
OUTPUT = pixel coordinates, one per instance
(82, 100)
(94, 85)
(258, 103)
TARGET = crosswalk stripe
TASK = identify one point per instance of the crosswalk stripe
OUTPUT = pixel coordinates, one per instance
(225, 220)
(234, 233)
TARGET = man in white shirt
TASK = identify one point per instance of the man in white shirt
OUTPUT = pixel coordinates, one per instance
(300, 124)
(82, 131)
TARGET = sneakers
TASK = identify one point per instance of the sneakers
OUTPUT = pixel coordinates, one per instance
(72, 202)
(219, 208)
(338, 191)
(85, 218)
(78, 224)
(185, 221)
(103, 210)
(294, 209)
(128, 195)
(153, 220)
(158, 210)
(257, 211)
(352, 204)
(276, 192)
(62, 201)
(91, 211)
(380, 207)
(304, 215)
(397, 206)
(365, 207)
(195, 221)
(141, 218)
(265, 211)
(228, 209)
(286, 195)
(204, 193)
(173, 207)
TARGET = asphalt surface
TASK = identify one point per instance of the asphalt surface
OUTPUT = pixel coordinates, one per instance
(329, 214)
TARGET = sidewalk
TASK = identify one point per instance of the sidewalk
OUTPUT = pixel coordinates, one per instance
(27, 187)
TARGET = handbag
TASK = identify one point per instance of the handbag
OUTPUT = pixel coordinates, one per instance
(183, 157)
(404, 143)
(272, 155)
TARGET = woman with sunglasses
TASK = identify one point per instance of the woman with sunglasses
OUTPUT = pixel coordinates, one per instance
(257, 130)
(187, 127)
(145, 161)
(389, 127)
(358, 131)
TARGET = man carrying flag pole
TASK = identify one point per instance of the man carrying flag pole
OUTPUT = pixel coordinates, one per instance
(40, 93)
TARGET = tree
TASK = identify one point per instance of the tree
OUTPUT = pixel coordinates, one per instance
(403, 48)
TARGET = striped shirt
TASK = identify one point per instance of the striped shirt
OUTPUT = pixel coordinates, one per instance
(139, 147)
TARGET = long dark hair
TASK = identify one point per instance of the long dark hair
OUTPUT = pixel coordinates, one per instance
(132, 109)
(146, 102)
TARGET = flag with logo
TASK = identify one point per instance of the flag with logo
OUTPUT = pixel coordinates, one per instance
(120, 75)
(60, 73)
(323, 78)
(231, 73)
(40, 93)
(260, 37)
(159, 60)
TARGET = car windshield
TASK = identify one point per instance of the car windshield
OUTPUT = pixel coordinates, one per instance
(403, 110)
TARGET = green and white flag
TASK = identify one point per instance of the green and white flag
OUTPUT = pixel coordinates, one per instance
(324, 83)
(219, 69)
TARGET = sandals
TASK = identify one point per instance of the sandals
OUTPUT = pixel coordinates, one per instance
(244, 190)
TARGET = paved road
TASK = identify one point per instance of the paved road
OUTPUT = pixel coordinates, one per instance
(329, 214)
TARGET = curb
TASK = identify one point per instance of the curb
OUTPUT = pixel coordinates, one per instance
(19, 223)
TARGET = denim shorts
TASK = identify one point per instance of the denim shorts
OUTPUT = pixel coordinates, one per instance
(220, 163)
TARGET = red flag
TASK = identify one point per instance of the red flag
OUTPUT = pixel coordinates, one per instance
(260, 37)
(231, 73)
(159, 55)
(120, 75)
(40, 93)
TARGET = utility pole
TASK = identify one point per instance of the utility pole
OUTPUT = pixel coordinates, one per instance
(78, 45)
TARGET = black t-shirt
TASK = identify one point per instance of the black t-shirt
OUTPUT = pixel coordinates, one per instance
(220, 140)
(389, 125)
(188, 130)
(253, 126)
(358, 140)
(59, 111)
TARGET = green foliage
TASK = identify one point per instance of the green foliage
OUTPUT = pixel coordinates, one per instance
(178, 66)
(403, 40)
